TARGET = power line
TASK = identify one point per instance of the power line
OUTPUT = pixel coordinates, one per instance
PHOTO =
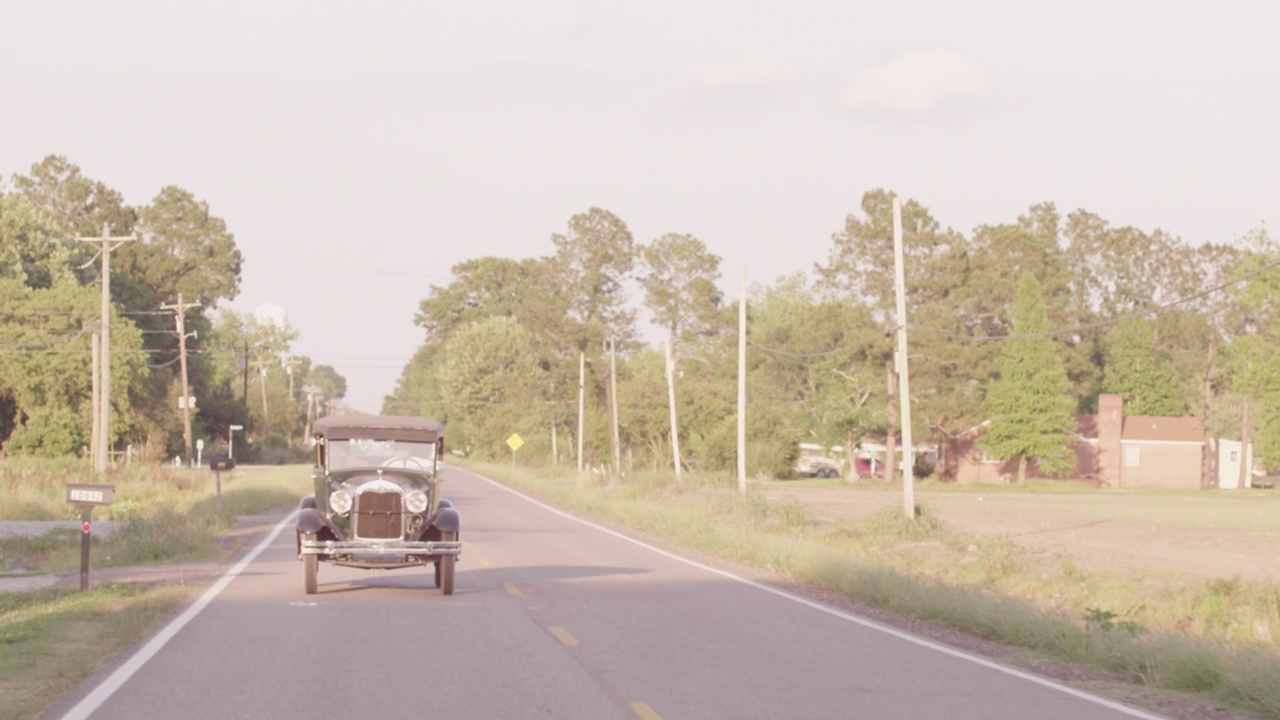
(837, 351)
(55, 341)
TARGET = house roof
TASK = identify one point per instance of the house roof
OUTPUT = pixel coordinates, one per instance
(1087, 426)
(1166, 429)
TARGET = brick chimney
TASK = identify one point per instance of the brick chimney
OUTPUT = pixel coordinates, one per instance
(1110, 456)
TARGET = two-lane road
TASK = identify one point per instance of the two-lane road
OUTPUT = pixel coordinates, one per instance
(553, 617)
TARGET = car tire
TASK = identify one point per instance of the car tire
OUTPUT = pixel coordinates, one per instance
(444, 568)
(310, 565)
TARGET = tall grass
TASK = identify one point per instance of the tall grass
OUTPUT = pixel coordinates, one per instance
(168, 514)
(1219, 638)
(54, 638)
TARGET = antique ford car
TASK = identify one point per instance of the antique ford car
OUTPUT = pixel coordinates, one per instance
(377, 501)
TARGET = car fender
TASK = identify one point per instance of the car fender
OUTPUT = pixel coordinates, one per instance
(307, 502)
(448, 520)
(310, 521)
(444, 503)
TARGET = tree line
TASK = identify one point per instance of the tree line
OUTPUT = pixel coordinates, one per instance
(1018, 324)
(239, 366)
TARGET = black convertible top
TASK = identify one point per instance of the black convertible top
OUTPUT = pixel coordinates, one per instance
(379, 427)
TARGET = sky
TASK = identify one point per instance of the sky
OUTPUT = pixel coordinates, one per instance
(359, 150)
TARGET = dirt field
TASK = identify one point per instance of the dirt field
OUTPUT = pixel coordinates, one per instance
(1210, 534)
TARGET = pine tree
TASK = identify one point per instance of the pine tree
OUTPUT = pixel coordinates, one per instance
(1148, 383)
(1030, 403)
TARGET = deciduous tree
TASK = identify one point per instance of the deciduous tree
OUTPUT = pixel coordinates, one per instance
(680, 290)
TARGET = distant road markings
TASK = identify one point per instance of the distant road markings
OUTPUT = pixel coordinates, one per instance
(484, 563)
(563, 636)
(849, 617)
(513, 590)
(644, 711)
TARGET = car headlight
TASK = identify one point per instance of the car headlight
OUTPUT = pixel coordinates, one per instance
(340, 501)
(415, 501)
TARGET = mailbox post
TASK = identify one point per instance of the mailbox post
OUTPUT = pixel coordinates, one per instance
(86, 497)
(217, 464)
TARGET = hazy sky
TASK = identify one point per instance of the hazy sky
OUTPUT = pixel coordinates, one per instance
(358, 150)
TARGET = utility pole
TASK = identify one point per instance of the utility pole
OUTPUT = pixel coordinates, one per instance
(904, 388)
(96, 398)
(244, 371)
(266, 419)
(289, 365)
(109, 243)
(311, 391)
(582, 372)
(742, 385)
(180, 312)
(613, 394)
(671, 398)
(555, 452)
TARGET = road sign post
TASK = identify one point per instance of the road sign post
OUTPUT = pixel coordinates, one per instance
(231, 443)
(86, 497)
(514, 442)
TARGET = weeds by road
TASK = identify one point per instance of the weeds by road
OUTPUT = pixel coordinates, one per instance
(53, 638)
(1216, 639)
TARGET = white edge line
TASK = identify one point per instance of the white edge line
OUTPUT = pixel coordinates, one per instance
(117, 679)
(888, 630)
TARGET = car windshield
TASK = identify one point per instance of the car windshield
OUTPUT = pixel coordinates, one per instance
(353, 453)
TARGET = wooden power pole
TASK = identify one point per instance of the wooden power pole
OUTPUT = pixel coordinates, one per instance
(109, 243)
(179, 310)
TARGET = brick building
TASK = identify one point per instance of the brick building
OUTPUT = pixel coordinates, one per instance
(1111, 450)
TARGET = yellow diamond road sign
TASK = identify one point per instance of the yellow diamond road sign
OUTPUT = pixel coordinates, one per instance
(515, 441)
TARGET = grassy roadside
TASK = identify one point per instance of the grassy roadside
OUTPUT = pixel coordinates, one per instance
(52, 639)
(1216, 639)
(169, 515)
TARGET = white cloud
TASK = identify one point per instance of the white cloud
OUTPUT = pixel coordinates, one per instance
(735, 85)
(934, 86)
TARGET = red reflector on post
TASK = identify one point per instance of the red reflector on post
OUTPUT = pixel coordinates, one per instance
(85, 527)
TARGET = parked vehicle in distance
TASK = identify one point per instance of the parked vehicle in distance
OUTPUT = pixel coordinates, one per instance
(817, 461)
(377, 501)
(869, 467)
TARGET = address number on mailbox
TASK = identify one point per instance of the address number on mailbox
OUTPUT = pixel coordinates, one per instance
(84, 494)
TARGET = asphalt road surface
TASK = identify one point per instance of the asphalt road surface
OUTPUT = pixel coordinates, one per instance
(552, 618)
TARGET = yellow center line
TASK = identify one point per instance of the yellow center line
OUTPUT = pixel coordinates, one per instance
(563, 636)
(484, 563)
(512, 589)
(644, 711)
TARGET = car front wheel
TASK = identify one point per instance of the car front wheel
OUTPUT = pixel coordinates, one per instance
(310, 566)
(444, 568)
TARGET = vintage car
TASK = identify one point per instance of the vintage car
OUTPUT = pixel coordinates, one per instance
(377, 501)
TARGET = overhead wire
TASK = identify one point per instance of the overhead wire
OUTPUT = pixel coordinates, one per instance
(52, 341)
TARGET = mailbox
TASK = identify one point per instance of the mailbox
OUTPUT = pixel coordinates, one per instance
(86, 497)
(221, 462)
(89, 495)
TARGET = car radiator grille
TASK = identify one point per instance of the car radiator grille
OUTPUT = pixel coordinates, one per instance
(378, 515)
